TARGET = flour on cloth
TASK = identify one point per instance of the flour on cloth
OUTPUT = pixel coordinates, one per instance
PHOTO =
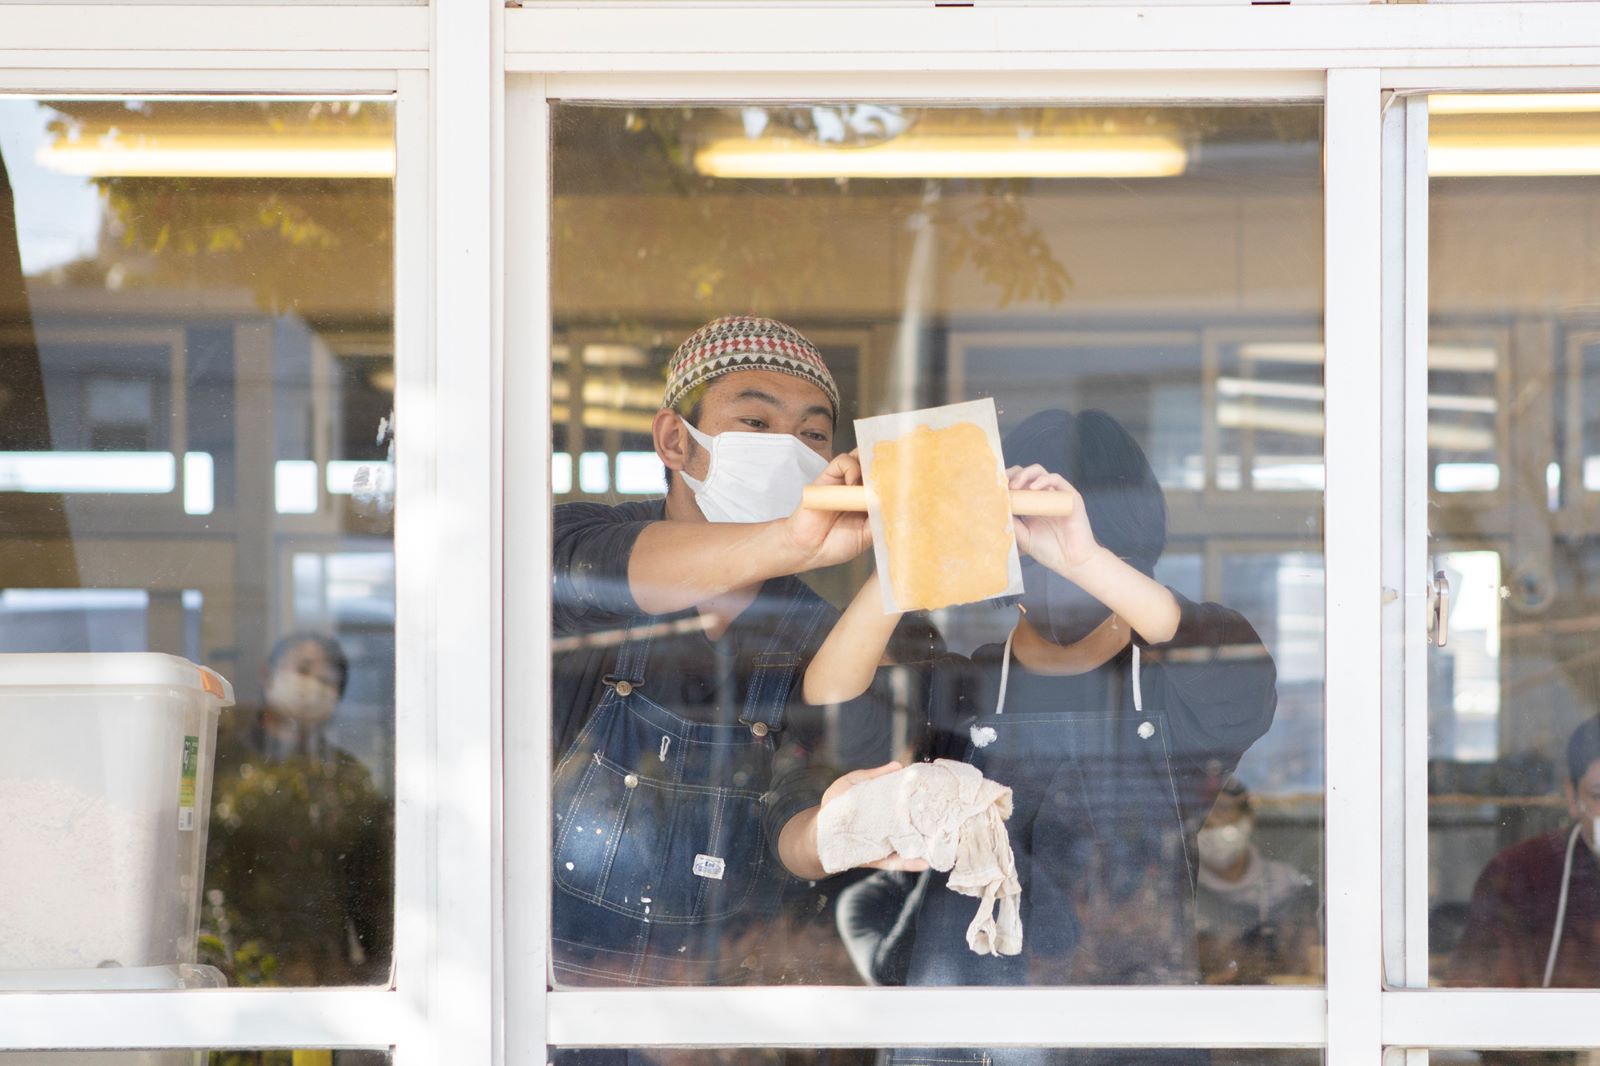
(949, 814)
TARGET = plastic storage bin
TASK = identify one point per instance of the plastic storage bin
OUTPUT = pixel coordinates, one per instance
(105, 785)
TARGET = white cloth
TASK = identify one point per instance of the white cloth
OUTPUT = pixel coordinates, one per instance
(948, 813)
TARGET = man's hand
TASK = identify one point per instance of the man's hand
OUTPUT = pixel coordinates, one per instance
(1065, 545)
(826, 538)
(797, 841)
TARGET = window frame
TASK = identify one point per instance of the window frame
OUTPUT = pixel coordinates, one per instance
(567, 54)
(785, 1017)
(428, 62)
(473, 275)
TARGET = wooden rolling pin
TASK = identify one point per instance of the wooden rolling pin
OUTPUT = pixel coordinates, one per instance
(854, 498)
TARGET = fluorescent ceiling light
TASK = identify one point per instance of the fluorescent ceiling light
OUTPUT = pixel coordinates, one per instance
(616, 393)
(594, 473)
(199, 483)
(221, 155)
(1440, 356)
(146, 473)
(949, 156)
(1512, 103)
(340, 475)
(1466, 477)
(1449, 438)
(295, 486)
(1527, 155)
(641, 474)
(605, 418)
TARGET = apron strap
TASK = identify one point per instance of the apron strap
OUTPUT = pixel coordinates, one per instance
(773, 671)
(1005, 677)
(1005, 673)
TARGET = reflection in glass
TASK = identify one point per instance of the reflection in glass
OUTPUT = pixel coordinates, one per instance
(196, 413)
(1512, 691)
(1503, 1057)
(961, 1057)
(1154, 272)
(299, 1057)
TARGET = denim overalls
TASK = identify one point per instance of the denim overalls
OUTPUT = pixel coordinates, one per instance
(1107, 895)
(663, 872)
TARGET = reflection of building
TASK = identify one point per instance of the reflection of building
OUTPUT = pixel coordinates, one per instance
(206, 453)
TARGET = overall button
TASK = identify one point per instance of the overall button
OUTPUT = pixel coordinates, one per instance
(758, 728)
(631, 781)
(1146, 730)
(624, 688)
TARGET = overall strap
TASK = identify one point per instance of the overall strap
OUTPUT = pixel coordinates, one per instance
(774, 669)
(634, 655)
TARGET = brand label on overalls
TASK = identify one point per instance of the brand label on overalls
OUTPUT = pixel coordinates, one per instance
(709, 866)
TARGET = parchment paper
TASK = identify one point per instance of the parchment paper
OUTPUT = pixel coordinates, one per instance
(870, 432)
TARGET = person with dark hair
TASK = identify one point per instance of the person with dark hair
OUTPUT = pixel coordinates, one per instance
(299, 863)
(687, 780)
(1534, 919)
(1256, 917)
(1112, 711)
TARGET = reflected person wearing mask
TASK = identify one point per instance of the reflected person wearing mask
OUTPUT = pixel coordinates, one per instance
(1255, 917)
(299, 867)
(683, 764)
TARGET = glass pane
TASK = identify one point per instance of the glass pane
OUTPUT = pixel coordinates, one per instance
(1512, 687)
(1501, 1057)
(1137, 293)
(197, 380)
(930, 1057)
(298, 1057)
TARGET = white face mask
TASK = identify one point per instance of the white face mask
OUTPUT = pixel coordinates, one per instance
(753, 477)
(301, 697)
(1222, 846)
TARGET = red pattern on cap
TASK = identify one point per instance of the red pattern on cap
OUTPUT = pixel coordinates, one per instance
(745, 342)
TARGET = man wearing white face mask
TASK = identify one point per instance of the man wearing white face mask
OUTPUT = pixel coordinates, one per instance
(1534, 920)
(684, 750)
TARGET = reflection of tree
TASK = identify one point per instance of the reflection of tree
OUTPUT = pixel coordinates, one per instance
(299, 868)
(630, 199)
(769, 244)
(272, 237)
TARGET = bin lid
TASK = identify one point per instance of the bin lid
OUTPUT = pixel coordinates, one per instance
(142, 978)
(112, 669)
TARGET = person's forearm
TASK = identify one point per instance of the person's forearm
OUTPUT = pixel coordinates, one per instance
(678, 565)
(797, 846)
(843, 668)
(1144, 603)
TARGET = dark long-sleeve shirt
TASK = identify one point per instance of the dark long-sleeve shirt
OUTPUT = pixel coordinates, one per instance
(1106, 798)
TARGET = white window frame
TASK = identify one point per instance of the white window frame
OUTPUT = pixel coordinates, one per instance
(663, 52)
(473, 537)
(431, 62)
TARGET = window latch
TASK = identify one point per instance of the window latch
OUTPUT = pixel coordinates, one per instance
(1439, 610)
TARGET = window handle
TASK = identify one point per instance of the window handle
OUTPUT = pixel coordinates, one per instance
(1439, 610)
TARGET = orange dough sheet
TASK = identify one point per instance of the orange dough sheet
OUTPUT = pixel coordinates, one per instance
(946, 516)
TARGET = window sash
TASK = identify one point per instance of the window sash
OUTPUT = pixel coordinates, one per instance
(448, 836)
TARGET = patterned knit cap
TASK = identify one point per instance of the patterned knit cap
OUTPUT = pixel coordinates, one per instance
(741, 342)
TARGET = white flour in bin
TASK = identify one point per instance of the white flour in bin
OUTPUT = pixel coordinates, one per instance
(80, 878)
